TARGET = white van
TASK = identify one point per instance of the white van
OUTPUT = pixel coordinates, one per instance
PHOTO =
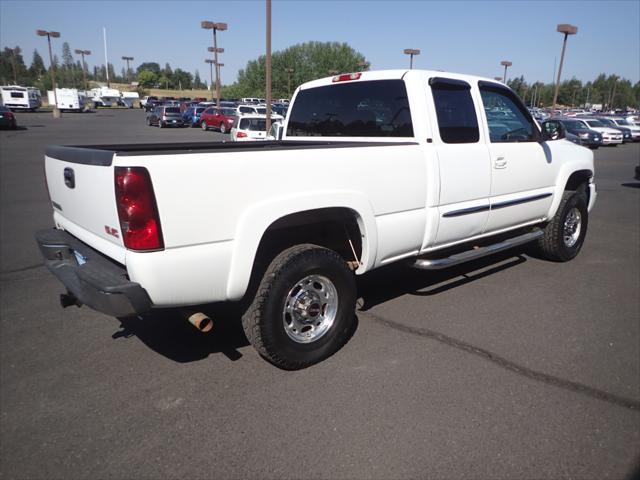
(20, 98)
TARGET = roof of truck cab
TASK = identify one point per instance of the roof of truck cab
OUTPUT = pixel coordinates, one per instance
(397, 75)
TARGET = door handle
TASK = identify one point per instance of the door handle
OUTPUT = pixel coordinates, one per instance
(500, 162)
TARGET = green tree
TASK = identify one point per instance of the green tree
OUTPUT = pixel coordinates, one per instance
(149, 66)
(12, 67)
(197, 82)
(309, 61)
(147, 78)
(37, 68)
(181, 79)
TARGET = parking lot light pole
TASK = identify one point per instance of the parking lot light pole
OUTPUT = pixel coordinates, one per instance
(49, 35)
(567, 29)
(210, 62)
(289, 72)
(506, 64)
(128, 59)
(267, 64)
(215, 26)
(84, 70)
(411, 52)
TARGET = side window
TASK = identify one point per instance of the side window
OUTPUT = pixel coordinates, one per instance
(507, 119)
(456, 113)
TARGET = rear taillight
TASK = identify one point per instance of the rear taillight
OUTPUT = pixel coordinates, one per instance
(241, 135)
(137, 209)
(8, 114)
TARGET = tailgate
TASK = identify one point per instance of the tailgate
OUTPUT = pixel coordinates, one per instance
(82, 191)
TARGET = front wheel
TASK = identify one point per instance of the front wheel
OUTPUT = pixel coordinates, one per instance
(204, 127)
(304, 307)
(223, 127)
(564, 234)
(160, 123)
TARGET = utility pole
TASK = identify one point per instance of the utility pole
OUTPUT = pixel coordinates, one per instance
(128, 59)
(411, 52)
(506, 64)
(289, 72)
(84, 70)
(209, 25)
(49, 35)
(268, 65)
(106, 60)
(567, 29)
(210, 62)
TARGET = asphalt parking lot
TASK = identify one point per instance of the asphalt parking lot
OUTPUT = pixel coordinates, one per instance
(511, 367)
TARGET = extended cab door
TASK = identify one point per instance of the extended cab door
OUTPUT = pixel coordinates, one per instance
(522, 167)
(463, 161)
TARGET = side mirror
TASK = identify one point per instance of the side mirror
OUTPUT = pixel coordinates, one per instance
(553, 130)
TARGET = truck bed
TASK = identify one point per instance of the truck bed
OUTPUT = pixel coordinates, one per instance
(102, 155)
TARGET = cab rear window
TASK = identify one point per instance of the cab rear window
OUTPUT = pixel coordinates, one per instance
(377, 108)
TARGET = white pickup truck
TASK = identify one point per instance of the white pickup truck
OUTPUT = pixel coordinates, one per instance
(428, 168)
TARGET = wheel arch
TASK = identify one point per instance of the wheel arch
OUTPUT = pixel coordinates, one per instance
(311, 219)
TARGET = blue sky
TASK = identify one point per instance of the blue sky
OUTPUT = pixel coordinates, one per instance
(459, 36)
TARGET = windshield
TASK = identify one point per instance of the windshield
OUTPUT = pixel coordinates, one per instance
(229, 112)
(172, 110)
(254, 124)
(576, 125)
(595, 123)
(262, 111)
(622, 121)
(200, 110)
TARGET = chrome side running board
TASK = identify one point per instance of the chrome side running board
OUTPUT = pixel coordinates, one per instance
(475, 253)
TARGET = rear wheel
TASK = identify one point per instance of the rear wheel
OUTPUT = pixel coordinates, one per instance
(564, 234)
(160, 123)
(304, 307)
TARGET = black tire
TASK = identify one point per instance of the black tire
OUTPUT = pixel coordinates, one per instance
(223, 127)
(264, 320)
(203, 126)
(160, 123)
(148, 122)
(552, 244)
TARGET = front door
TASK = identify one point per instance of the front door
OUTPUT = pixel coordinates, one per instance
(522, 169)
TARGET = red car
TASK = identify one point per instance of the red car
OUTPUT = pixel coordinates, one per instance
(221, 119)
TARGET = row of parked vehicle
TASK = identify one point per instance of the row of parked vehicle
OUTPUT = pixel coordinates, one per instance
(244, 119)
(594, 131)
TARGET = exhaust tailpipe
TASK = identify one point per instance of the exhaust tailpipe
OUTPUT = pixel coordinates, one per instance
(199, 320)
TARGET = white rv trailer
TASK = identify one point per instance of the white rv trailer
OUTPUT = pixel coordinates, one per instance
(16, 97)
(128, 98)
(105, 96)
(69, 99)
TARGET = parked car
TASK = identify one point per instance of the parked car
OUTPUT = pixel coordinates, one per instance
(7, 118)
(626, 132)
(250, 128)
(192, 115)
(286, 227)
(165, 116)
(555, 129)
(610, 136)
(149, 102)
(623, 124)
(222, 119)
(590, 138)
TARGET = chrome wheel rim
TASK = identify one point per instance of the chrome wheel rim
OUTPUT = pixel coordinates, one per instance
(572, 227)
(310, 309)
